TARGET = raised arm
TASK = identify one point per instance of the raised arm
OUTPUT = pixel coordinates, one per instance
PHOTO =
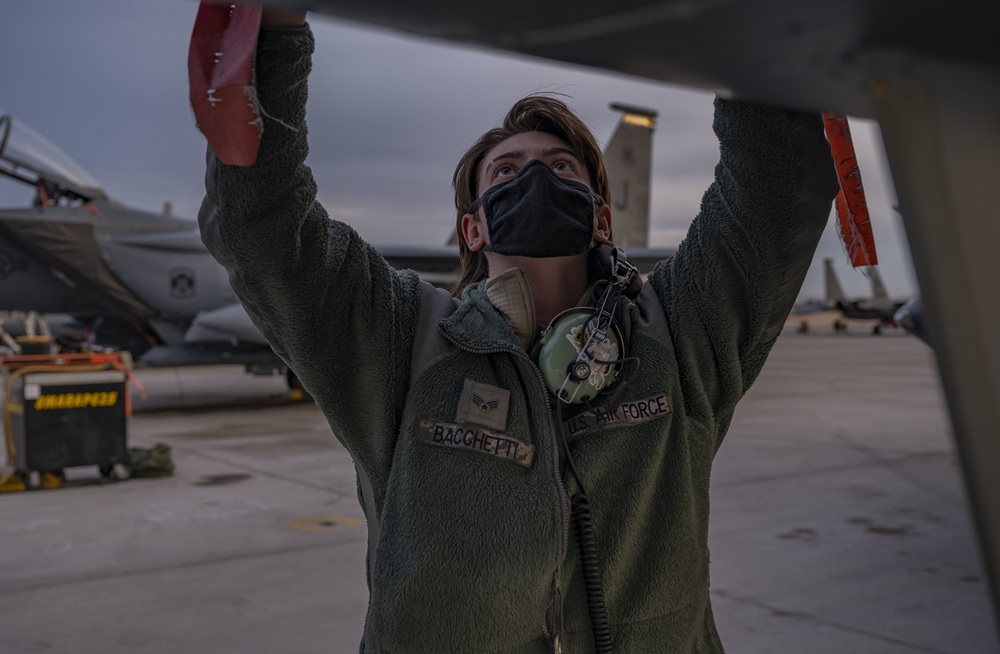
(327, 302)
(737, 273)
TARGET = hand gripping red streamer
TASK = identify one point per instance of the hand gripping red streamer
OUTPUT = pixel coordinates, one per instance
(852, 208)
(220, 75)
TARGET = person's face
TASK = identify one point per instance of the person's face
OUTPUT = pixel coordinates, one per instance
(505, 160)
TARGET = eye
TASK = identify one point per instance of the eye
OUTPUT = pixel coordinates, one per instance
(564, 167)
(504, 170)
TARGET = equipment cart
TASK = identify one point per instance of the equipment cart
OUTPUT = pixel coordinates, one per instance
(63, 411)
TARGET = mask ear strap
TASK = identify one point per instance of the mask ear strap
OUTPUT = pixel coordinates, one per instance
(474, 207)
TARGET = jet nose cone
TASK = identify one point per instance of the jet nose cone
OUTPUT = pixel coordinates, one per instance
(910, 317)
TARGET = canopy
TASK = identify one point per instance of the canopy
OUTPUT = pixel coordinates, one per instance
(27, 155)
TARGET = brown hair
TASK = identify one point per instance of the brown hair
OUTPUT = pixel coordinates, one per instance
(535, 113)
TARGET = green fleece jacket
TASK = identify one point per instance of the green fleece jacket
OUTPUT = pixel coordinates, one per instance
(448, 420)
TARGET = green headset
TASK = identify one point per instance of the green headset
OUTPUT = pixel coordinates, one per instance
(582, 351)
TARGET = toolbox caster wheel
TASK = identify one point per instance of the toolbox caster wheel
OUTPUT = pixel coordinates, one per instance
(120, 472)
(115, 472)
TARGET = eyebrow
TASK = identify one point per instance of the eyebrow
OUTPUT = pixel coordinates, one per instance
(519, 154)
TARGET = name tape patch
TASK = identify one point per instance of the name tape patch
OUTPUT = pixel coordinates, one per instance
(476, 439)
(631, 413)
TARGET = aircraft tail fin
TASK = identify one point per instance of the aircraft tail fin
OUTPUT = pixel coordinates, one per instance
(834, 293)
(628, 158)
(879, 293)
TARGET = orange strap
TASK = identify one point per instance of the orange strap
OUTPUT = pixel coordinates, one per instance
(852, 208)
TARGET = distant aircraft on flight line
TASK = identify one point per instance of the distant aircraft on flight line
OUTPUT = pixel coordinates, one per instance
(145, 282)
(878, 307)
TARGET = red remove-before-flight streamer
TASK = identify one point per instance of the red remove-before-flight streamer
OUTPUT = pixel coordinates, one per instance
(220, 74)
(852, 208)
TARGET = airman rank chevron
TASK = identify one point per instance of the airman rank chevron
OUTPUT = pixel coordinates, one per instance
(629, 413)
(482, 404)
(476, 439)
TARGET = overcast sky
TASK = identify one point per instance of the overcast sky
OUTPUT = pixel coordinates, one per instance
(389, 116)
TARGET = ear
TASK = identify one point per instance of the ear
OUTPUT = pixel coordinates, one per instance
(474, 232)
(602, 225)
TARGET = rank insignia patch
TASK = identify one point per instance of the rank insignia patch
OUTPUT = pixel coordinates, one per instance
(482, 404)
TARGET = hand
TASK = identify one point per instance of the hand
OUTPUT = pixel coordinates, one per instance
(277, 18)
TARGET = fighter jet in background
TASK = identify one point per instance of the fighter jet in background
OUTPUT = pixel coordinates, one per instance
(137, 280)
(145, 282)
(878, 307)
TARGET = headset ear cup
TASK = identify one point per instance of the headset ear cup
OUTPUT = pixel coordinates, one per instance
(562, 347)
(622, 344)
(620, 386)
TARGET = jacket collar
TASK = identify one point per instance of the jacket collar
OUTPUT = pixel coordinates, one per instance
(497, 313)
(479, 325)
(510, 293)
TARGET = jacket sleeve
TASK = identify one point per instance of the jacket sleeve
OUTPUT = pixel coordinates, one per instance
(737, 273)
(326, 301)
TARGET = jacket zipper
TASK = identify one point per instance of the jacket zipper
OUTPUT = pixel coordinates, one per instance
(563, 497)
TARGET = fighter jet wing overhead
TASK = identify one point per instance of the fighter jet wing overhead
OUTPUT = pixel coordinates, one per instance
(807, 54)
(929, 72)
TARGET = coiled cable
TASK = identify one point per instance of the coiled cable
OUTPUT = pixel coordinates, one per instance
(589, 560)
(587, 542)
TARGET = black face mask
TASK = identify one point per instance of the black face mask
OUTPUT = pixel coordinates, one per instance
(539, 214)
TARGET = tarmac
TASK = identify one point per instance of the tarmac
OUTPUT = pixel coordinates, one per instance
(839, 521)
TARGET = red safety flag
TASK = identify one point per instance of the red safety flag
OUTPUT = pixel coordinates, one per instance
(220, 74)
(852, 209)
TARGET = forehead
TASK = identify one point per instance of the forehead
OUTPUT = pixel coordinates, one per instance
(526, 143)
